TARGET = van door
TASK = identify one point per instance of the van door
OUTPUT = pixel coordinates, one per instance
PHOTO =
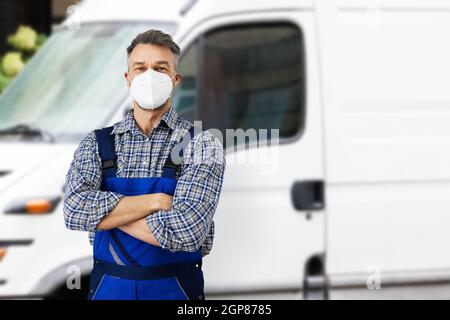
(256, 73)
(387, 141)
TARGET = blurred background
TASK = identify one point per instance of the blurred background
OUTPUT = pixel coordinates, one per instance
(24, 27)
(338, 185)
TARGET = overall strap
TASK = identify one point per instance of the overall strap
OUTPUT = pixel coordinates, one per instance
(106, 148)
(170, 167)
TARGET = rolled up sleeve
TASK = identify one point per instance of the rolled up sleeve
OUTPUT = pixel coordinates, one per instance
(84, 204)
(189, 224)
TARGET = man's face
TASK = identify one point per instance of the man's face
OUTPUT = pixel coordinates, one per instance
(149, 56)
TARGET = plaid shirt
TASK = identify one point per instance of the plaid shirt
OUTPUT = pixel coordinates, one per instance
(189, 225)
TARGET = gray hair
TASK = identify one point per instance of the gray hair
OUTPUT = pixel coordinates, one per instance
(157, 37)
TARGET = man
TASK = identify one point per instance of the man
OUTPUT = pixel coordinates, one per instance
(150, 216)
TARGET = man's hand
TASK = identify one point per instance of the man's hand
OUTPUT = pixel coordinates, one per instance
(130, 209)
(164, 201)
(140, 230)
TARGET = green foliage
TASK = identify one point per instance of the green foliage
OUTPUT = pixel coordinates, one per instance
(12, 64)
(4, 81)
(40, 40)
(24, 39)
(24, 42)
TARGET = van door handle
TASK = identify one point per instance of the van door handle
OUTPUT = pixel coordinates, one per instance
(308, 195)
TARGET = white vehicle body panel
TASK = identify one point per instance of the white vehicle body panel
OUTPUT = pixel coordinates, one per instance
(376, 133)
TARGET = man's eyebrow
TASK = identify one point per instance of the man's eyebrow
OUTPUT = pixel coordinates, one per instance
(163, 62)
(138, 63)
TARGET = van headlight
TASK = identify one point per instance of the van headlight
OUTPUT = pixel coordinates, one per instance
(41, 205)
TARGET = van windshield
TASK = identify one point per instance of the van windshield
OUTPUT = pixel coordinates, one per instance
(75, 83)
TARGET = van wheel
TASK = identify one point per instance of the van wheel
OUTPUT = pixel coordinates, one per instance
(315, 284)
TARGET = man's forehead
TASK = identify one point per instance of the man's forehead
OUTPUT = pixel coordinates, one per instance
(151, 53)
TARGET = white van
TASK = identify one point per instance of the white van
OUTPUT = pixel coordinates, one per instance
(358, 206)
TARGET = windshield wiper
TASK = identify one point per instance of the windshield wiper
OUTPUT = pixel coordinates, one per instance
(26, 131)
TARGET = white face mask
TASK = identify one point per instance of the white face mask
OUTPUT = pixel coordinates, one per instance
(151, 89)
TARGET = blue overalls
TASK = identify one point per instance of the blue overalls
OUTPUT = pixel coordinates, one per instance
(128, 268)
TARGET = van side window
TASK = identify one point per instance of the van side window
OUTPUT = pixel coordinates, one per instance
(245, 77)
(185, 95)
(253, 77)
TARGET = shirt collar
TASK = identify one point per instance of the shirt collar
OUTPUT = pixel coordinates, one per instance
(170, 117)
(128, 123)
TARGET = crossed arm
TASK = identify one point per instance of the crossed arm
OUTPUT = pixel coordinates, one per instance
(129, 215)
(181, 223)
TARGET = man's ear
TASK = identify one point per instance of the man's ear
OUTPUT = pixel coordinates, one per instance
(127, 78)
(177, 80)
